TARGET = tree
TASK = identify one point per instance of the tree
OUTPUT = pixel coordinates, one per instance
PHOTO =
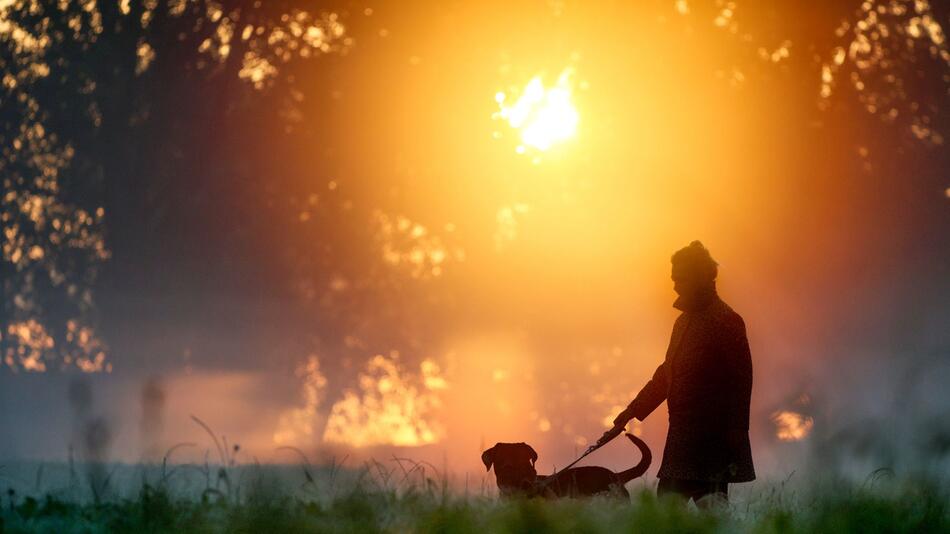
(94, 94)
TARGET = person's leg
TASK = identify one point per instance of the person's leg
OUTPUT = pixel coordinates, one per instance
(711, 495)
(687, 489)
(694, 489)
(664, 486)
(671, 486)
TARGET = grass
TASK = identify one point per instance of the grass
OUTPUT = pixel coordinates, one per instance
(363, 501)
(402, 495)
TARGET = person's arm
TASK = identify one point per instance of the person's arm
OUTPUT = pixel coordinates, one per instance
(652, 395)
(654, 392)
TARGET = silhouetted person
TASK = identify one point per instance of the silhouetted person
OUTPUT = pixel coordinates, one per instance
(706, 381)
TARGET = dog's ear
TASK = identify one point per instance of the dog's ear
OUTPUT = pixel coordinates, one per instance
(488, 457)
(532, 453)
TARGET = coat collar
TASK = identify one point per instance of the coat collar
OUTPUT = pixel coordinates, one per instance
(698, 301)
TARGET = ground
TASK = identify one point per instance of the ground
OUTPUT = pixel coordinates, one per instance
(200, 498)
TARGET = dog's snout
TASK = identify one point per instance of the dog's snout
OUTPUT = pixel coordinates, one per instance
(515, 476)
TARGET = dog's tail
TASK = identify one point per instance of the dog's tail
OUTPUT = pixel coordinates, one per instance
(645, 459)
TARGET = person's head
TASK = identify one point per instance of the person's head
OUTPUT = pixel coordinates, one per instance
(693, 269)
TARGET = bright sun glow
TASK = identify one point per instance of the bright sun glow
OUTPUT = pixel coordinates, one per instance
(544, 116)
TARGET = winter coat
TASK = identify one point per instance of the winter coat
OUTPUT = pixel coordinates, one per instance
(706, 380)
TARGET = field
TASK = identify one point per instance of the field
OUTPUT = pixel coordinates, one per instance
(401, 496)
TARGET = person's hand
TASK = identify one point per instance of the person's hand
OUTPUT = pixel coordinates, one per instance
(609, 435)
(623, 418)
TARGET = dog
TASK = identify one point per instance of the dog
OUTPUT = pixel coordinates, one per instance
(516, 476)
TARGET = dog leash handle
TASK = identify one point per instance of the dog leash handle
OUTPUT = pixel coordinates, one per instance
(607, 437)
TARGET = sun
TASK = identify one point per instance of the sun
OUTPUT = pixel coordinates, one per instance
(543, 116)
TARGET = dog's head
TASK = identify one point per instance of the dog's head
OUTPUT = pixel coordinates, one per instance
(514, 466)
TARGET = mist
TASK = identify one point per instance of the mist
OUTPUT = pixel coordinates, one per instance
(364, 264)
